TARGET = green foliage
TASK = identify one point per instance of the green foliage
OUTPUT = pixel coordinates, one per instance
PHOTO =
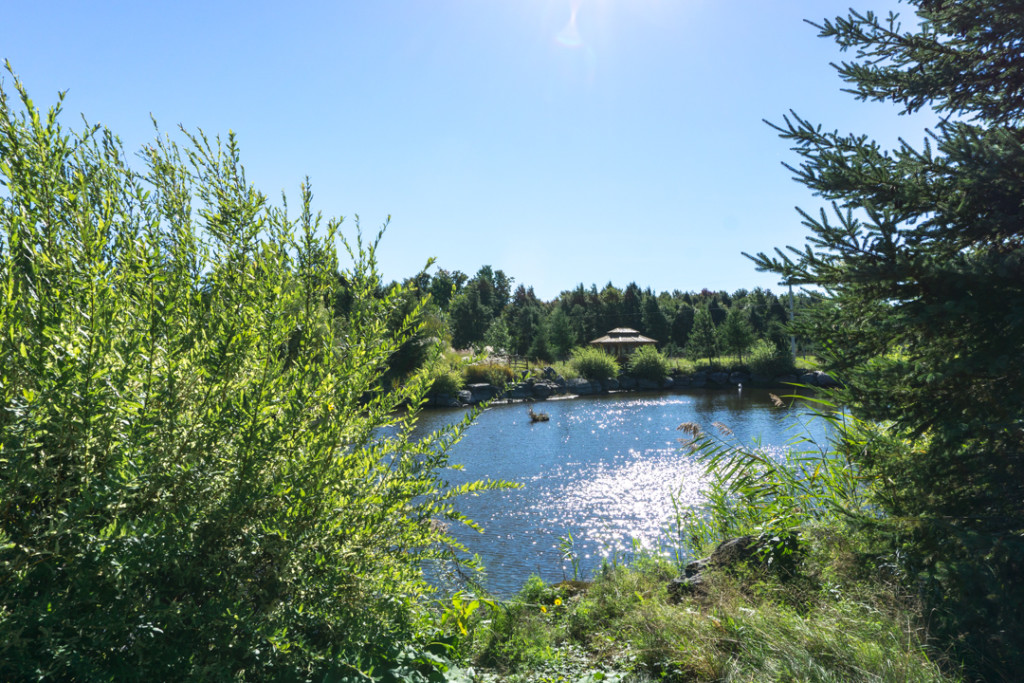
(593, 363)
(560, 336)
(200, 477)
(763, 492)
(447, 381)
(821, 627)
(648, 363)
(498, 374)
(497, 337)
(735, 334)
(924, 253)
(703, 342)
(770, 360)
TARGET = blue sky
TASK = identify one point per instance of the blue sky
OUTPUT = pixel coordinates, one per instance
(563, 141)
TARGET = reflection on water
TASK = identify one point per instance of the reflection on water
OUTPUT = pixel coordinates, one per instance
(603, 469)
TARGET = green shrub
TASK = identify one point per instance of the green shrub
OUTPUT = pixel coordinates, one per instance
(648, 363)
(769, 360)
(447, 382)
(593, 364)
(194, 479)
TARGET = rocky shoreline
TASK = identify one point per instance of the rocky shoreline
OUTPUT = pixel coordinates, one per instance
(551, 385)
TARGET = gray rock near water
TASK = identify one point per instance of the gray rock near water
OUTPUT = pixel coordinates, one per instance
(773, 553)
(520, 391)
(544, 388)
(583, 387)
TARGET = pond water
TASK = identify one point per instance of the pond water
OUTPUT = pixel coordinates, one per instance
(603, 469)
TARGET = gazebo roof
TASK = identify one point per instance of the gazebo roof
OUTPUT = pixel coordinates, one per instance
(623, 335)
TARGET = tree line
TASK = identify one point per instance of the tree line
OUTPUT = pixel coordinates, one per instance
(484, 310)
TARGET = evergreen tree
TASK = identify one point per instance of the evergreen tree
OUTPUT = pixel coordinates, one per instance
(469, 318)
(653, 321)
(924, 264)
(560, 336)
(703, 340)
(682, 323)
(735, 334)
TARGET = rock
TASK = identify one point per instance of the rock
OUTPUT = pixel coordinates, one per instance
(520, 391)
(610, 384)
(583, 387)
(465, 396)
(684, 586)
(648, 384)
(826, 380)
(739, 378)
(768, 552)
(720, 378)
(443, 401)
(627, 382)
(480, 392)
(544, 388)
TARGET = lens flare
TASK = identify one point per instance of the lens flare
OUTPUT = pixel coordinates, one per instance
(570, 35)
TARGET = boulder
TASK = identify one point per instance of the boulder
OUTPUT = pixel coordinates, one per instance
(443, 401)
(520, 391)
(544, 388)
(767, 551)
(739, 378)
(719, 378)
(480, 392)
(583, 387)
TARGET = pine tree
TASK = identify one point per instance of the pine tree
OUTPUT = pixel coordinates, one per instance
(735, 334)
(703, 342)
(923, 262)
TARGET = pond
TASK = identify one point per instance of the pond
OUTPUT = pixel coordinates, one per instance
(603, 469)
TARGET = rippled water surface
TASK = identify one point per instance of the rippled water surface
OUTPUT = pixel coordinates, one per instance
(602, 469)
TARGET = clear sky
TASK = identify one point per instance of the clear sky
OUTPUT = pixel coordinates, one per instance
(563, 141)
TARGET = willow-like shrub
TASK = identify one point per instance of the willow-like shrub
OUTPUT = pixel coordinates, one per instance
(593, 364)
(200, 477)
(648, 363)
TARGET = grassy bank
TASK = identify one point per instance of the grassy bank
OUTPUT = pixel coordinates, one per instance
(837, 619)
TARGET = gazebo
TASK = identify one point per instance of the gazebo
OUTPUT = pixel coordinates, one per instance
(622, 341)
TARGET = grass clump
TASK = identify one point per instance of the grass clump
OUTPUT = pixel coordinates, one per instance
(593, 363)
(486, 372)
(769, 360)
(648, 363)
